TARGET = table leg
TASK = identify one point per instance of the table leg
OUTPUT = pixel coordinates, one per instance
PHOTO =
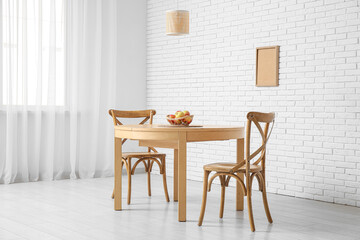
(176, 175)
(118, 174)
(239, 158)
(182, 177)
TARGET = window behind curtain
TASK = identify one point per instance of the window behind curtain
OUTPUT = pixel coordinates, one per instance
(32, 52)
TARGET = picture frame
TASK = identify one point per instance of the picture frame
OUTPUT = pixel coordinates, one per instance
(267, 66)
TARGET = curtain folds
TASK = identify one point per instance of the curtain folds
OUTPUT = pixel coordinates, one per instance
(58, 72)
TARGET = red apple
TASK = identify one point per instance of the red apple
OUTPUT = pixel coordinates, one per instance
(172, 116)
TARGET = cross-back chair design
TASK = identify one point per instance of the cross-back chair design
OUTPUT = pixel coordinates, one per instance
(147, 158)
(249, 167)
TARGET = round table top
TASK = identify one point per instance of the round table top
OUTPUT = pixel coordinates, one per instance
(170, 128)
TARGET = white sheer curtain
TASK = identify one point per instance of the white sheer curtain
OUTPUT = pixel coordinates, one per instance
(58, 72)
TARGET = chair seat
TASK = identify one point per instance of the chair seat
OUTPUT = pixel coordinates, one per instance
(226, 167)
(142, 154)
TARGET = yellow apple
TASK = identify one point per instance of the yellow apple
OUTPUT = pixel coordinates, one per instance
(179, 114)
(188, 120)
(186, 113)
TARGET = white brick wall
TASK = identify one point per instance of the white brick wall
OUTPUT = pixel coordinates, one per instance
(314, 151)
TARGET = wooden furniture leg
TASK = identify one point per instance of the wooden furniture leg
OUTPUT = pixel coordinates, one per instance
(128, 170)
(266, 205)
(118, 174)
(249, 202)
(149, 178)
(222, 201)
(182, 177)
(176, 183)
(163, 165)
(205, 190)
(239, 158)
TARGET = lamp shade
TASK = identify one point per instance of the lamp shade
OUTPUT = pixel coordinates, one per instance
(177, 22)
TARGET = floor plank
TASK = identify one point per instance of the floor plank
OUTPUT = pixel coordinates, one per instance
(83, 209)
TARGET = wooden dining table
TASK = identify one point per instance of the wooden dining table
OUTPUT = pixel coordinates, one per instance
(176, 137)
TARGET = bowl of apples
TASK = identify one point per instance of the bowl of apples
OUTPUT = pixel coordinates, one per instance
(180, 118)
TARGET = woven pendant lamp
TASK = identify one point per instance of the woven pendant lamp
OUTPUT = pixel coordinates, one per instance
(177, 22)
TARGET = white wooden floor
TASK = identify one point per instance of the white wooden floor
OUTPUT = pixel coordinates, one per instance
(83, 209)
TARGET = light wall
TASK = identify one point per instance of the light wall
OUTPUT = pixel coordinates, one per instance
(131, 53)
(314, 150)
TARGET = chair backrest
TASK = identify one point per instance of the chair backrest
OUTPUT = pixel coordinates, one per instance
(146, 114)
(257, 118)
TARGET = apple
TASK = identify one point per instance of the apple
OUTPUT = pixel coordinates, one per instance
(172, 116)
(179, 114)
(186, 113)
(188, 120)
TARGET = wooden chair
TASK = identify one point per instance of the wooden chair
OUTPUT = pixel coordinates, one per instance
(147, 158)
(255, 169)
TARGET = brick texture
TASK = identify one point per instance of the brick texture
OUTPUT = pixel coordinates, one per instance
(314, 151)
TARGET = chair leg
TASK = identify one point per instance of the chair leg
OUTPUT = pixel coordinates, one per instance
(266, 205)
(113, 194)
(164, 180)
(129, 181)
(203, 204)
(222, 202)
(251, 217)
(148, 178)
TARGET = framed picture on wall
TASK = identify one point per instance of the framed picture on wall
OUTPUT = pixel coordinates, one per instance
(267, 66)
